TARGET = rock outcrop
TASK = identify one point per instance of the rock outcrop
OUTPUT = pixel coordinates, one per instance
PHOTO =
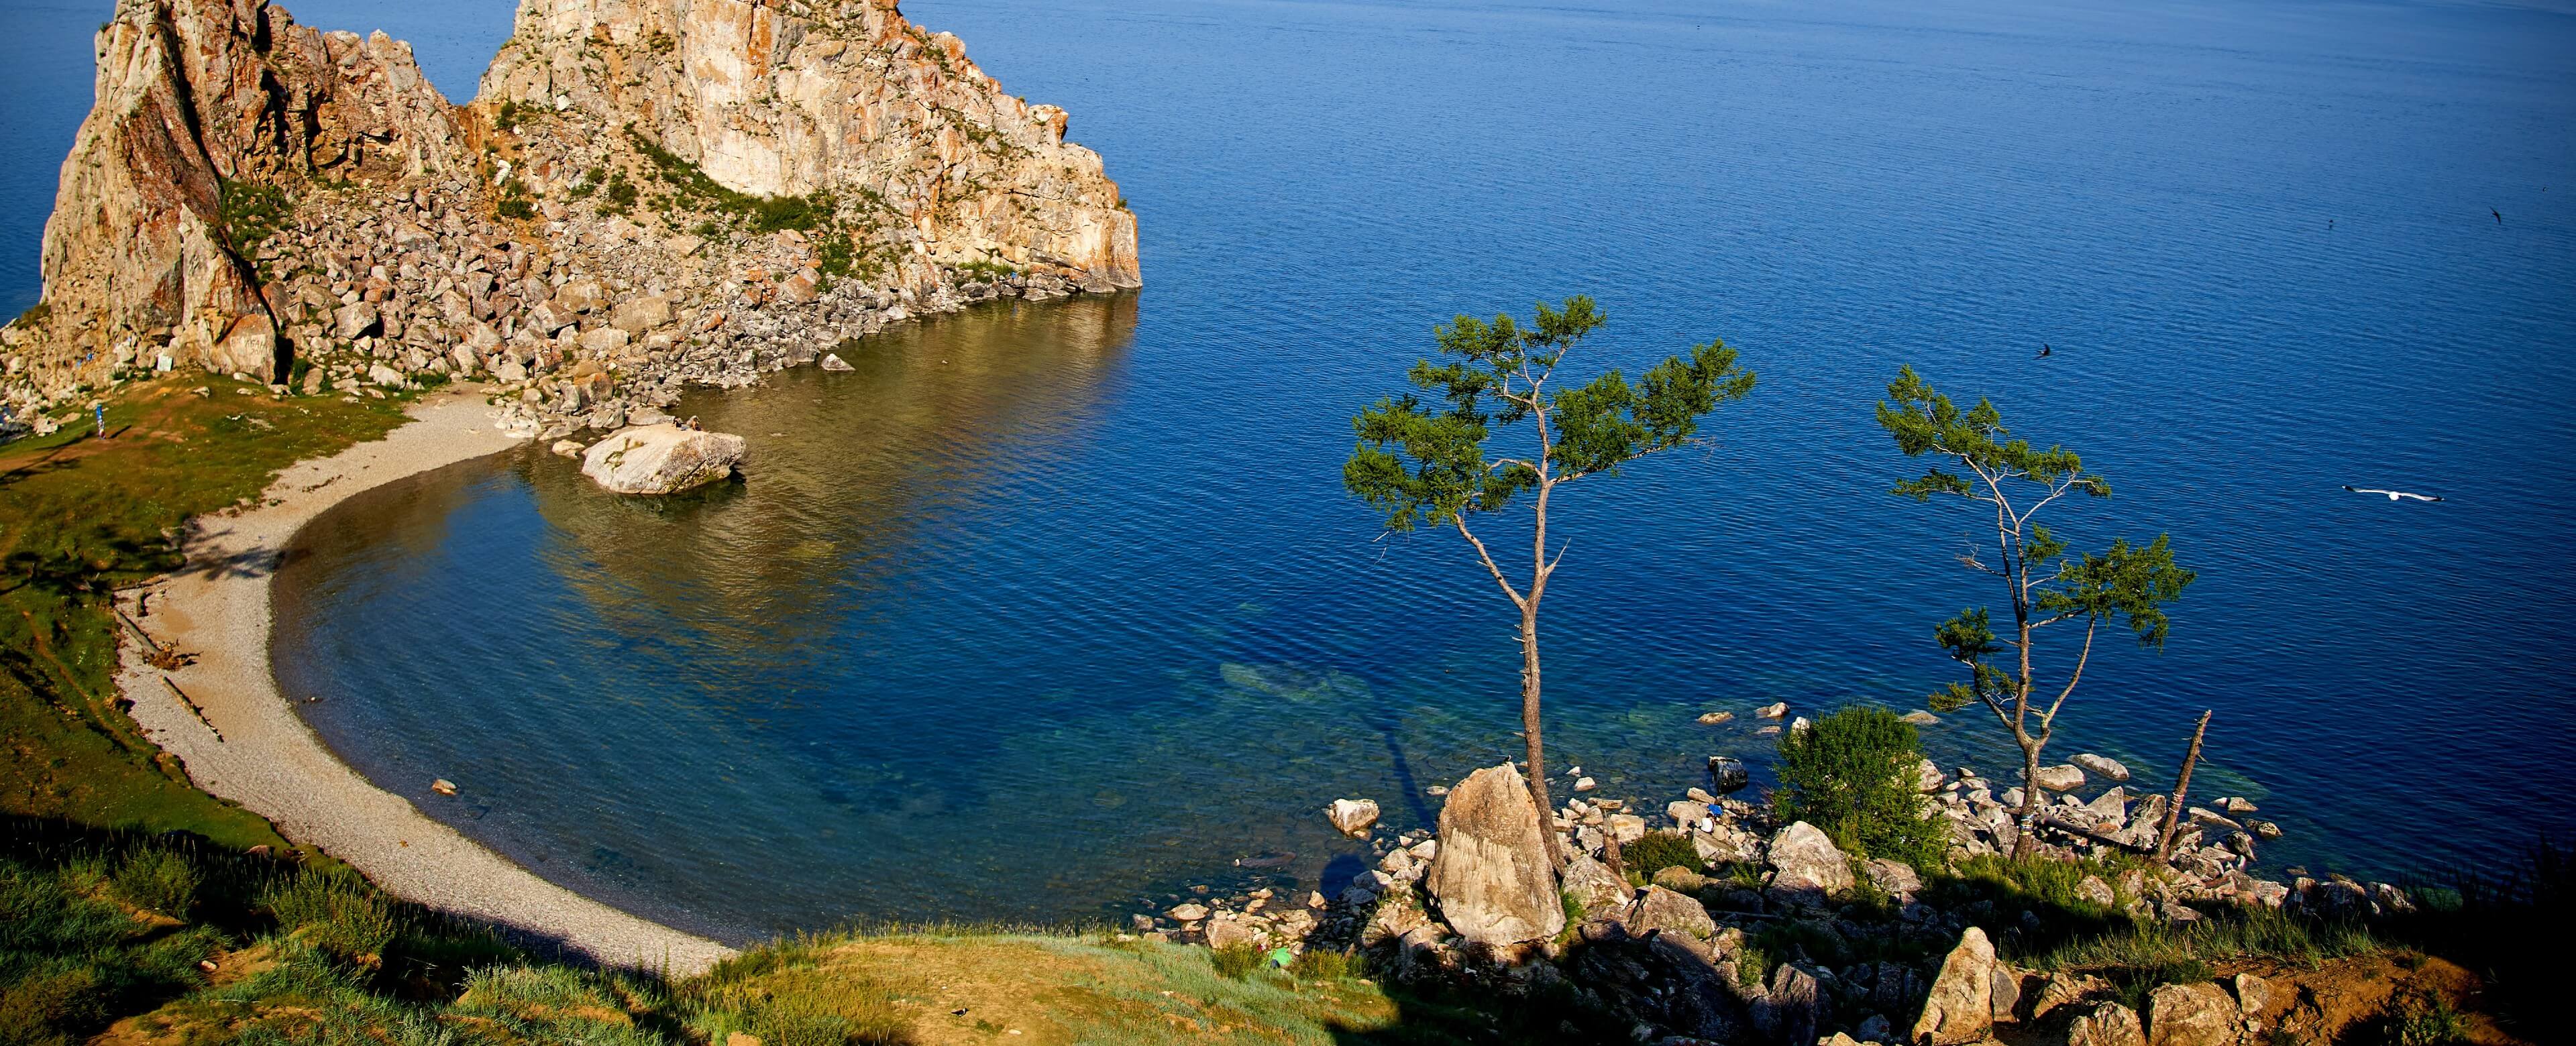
(203, 108)
(795, 100)
(651, 194)
(661, 459)
(1492, 877)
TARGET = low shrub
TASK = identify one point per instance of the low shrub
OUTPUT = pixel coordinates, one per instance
(156, 880)
(1236, 961)
(334, 911)
(1656, 851)
(1852, 774)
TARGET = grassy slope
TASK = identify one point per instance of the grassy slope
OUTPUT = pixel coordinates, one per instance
(81, 515)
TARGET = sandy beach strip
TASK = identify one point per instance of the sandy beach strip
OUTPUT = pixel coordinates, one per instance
(260, 754)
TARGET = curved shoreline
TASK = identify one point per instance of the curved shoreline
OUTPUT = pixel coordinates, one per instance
(260, 754)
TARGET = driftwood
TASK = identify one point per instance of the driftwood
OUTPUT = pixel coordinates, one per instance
(2182, 787)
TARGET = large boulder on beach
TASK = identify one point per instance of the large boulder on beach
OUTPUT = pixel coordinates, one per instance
(2064, 777)
(1492, 877)
(661, 459)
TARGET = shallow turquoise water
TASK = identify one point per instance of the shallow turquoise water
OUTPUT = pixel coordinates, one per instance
(1048, 609)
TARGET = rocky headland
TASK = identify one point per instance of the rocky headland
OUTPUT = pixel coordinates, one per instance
(644, 196)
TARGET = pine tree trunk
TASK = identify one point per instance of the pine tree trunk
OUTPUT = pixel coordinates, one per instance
(2026, 821)
(1530, 730)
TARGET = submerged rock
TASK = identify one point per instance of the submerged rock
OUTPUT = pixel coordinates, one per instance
(1352, 817)
(661, 459)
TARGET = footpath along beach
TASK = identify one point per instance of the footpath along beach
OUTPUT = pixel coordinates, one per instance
(242, 741)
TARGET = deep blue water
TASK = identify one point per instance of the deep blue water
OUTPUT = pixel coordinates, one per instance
(1045, 610)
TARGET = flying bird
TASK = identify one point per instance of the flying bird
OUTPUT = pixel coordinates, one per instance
(2392, 494)
(2499, 215)
(2044, 350)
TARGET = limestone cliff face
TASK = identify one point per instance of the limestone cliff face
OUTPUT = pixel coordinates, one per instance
(790, 98)
(649, 194)
(193, 95)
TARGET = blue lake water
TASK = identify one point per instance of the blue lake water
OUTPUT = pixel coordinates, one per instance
(1047, 610)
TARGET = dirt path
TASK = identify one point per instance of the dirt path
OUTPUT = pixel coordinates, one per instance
(260, 754)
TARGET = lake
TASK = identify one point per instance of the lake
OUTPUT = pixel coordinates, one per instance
(1049, 612)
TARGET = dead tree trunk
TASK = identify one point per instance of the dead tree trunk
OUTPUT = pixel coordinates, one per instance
(2182, 787)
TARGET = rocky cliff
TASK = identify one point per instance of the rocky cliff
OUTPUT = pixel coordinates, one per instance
(648, 193)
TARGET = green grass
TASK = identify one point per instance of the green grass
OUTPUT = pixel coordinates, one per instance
(81, 516)
(1656, 851)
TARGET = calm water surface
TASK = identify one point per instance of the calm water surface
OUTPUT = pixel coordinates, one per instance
(1047, 610)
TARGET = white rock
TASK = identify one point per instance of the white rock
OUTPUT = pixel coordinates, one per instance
(2102, 766)
(834, 362)
(661, 459)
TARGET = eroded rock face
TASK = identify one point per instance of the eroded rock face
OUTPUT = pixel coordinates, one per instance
(793, 99)
(194, 96)
(1492, 875)
(661, 459)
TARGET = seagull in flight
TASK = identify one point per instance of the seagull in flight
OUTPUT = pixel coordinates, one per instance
(2392, 494)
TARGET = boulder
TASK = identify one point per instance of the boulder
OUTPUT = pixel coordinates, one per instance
(1773, 710)
(1728, 774)
(2106, 1024)
(661, 459)
(1789, 1012)
(1687, 814)
(567, 448)
(249, 346)
(638, 315)
(2102, 766)
(1811, 868)
(1960, 1008)
(2191, 1015)
(355, 319)
(1927, 776)
(1895, 877)
(1188, 912)
(1920, 717)
(1492, 878)
(1225, 931)
(2094, 890)
(582, 296)
(1661, 909)
(1352, 817)
(548, 317)
(1726, 843)
(2063, 777)
(832, 361)
(2253, 995)
(1592, 886)
(1714, 718)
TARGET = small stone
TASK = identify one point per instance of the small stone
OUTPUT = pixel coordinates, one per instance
(1714, 718)
(833, 362)
(443, 786)
(1585, 784)
(2236, 805)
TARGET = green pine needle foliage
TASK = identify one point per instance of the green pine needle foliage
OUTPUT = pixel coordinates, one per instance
(1852, 774)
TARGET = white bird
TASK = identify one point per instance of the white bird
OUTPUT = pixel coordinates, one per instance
(2392, 494)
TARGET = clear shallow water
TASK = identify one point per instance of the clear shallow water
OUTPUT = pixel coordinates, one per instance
(1081, 614)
